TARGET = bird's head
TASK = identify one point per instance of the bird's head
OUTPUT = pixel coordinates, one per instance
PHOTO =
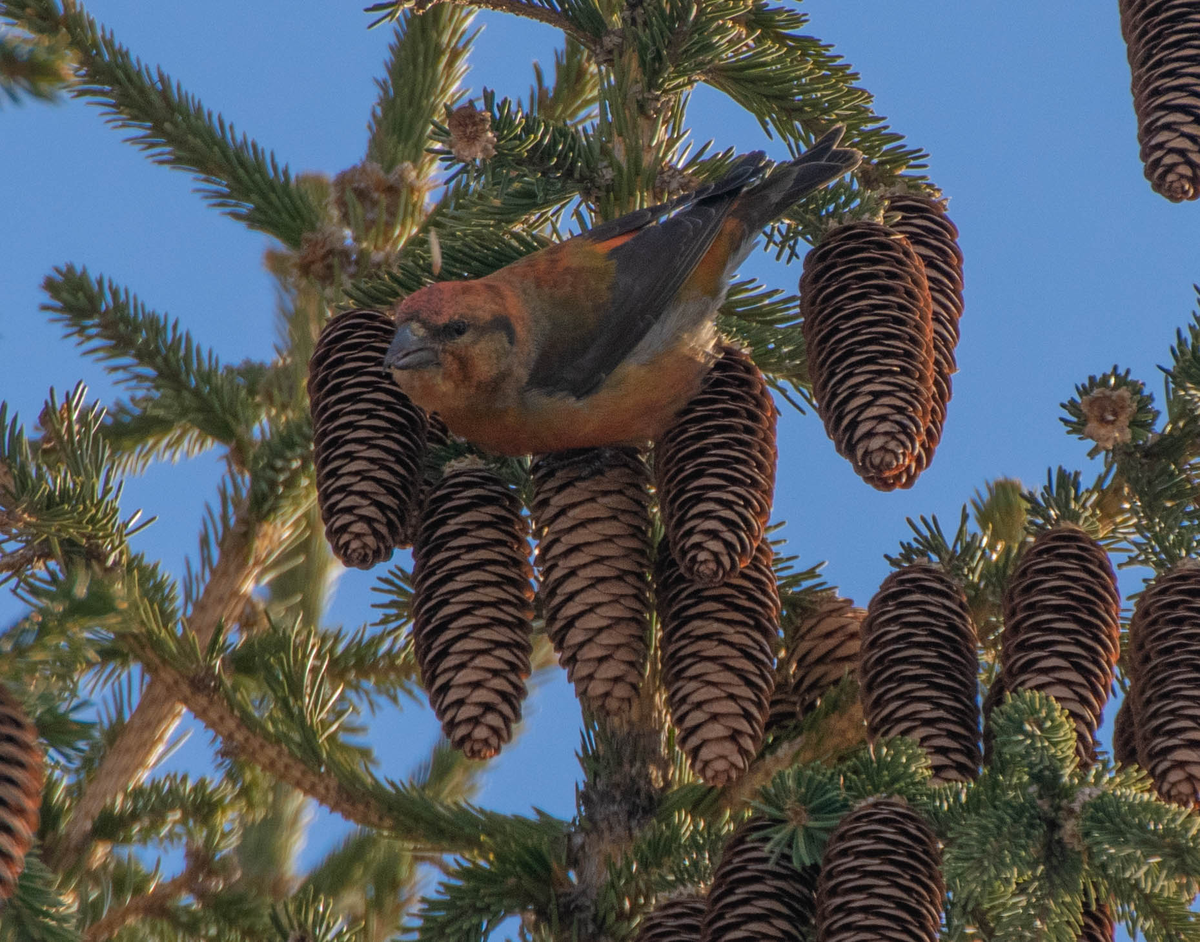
(454, 342)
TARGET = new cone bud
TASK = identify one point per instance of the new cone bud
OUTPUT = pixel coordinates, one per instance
(368, 441)
(881, 877)
(1062, 627)
(868, 329)
(1165, 689)
(757, 895)
(472, 607)
(591, 513)
(718, 661)
(919, 669)
(715, 470)
(21, 774)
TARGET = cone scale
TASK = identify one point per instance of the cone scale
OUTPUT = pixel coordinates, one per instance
(21, 775)
(676, 919)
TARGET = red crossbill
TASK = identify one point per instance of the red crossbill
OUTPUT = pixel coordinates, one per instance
(603, 338)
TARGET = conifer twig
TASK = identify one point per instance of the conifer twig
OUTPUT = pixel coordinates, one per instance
(141, 741)
(148, 904)
(532, 11)
(200, 697)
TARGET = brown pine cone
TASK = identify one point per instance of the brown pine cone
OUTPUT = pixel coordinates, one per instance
(676, 919)
(718, 662)
(21, 775)
(715, 470)
(757, 895)
(1163, 45)
(881, 877)
(868, 328)
(472, 611)
(368, 441)
(822, 650)
(1165, 643)
(1125, 737)
(1061, 627)
(591, 512)
(919, 669)
(923, 221)
(1098, 925)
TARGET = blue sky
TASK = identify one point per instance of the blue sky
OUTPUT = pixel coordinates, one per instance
(1072, 262)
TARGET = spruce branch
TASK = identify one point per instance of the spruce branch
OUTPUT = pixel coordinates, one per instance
(148, 905)
(427, 61)
(243, 555)
(580, 19)
(150, 353)
(236, 175)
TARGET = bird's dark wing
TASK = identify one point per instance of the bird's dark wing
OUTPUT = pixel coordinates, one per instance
(649, 267)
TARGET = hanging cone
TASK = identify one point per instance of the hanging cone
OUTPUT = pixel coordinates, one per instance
(823, 650)
(676, 919)
(368, 441)
(1098, 925)
(880, 877)
(718, 664)
(919, 669)
(592, 517)
(1163, 45)
(471, 608)
(923, 221)
(1165, 643)
(757, 895)
(1061, 627)
(21, 774)
(715, 470)
(868, 329)
(1124, 748)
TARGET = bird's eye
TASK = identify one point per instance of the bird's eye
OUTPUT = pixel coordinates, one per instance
(456, 328)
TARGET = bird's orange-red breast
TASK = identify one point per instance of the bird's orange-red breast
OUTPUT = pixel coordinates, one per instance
(603, 338)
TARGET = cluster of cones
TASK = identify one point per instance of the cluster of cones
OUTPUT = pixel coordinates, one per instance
(473, 610)
(711, 581)
(1162, 40)
(881, 305)
(880, 877)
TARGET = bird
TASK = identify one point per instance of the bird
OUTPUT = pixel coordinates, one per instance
(601, 339)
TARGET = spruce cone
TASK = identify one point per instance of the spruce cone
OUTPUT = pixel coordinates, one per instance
(592, 514)
(757, 895)
(21, 774)
(1061, 627)
(919, 669)
(1098, 925)
(869, 332)
(368, 441)
(1165, 642)
(718, 664)
(923, 221)
(472, 608)
(823, 649)
(715, 470)
(676, 919)
(881, 877)
(1125, 737)
(1163, 45)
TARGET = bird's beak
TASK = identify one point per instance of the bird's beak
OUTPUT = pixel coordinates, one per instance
(409, 351)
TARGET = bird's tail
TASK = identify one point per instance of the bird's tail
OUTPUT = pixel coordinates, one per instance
(821, 164)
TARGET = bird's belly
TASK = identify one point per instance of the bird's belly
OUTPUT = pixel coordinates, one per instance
(637, 403)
